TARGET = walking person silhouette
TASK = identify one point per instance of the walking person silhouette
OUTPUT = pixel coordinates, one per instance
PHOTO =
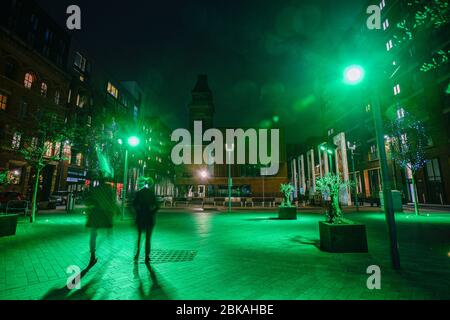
(146, 206)
(101, 209)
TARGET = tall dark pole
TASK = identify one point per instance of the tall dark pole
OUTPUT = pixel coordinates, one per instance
(356, 182)
(387, 194)
(125, 182)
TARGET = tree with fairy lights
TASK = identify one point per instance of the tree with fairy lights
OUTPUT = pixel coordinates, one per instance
(408, 142)
(429, 16)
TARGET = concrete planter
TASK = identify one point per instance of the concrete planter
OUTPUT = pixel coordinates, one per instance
(287, 213)
(8, 225)
(343, 238)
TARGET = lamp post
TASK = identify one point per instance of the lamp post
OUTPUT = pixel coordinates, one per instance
(353, 75)
(352, 148)
(330, 152)
(132, 142)
(229, 149)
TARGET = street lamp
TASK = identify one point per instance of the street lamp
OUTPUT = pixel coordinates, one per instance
(133, 142)
(229, 149)
(352, 148)
(330, 153)
(353, 75)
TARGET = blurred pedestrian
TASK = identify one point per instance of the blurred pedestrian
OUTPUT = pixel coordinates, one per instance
(146, 206)
(101, 208)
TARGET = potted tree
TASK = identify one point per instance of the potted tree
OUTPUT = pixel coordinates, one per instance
(287, 211)
(336, 233)
(8, 222)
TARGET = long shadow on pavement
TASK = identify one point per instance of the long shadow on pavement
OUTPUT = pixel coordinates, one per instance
(156, 290)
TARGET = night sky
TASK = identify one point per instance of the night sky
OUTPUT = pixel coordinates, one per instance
(261, 57)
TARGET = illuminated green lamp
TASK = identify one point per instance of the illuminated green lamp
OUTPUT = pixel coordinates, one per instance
(354, 74)
(134, 141)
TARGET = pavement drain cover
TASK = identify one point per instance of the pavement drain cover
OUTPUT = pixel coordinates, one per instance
(172, 256)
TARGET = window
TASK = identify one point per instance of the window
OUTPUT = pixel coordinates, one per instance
(397, 89)
(3, 101)
(67, 152)
(80, 61)
(89, 121)
(57, 97)
(136, 113)
(34, 142)
(400, 113)
(48, 148)
(48, 36)
(368, 108)
(78, 103)
(34, 22)
(382, 4)
(17, 137)
(404, 138)
(28, 81)
(23, 110)
(433, 171)
(386, 24)
(79, 159)
(389, 45)
(44, 89)
(113, 90)
(69, 96)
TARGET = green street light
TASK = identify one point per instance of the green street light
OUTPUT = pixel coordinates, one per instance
(354, 74)
(133, 141)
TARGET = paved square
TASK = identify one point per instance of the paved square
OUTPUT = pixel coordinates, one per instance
(213, 255)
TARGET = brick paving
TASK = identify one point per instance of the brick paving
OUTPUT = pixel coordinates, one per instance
(245, 255)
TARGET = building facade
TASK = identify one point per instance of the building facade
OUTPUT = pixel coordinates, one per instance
(33, 81)
(211, 181)
(396, 74)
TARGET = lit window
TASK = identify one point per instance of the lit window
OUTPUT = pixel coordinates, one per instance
(400, 113)
(17, 137)
(67, 152)
(397, 89)
(58, 148)
(113, 90)
(48, 148)
(69, 96)
(89, 121)
(28, 81)
(78, 100)
(34, 142)
(404, 138)
(368, 108)
(3, 101)
(44, 89)
(79, 159)
(389, 45)
(382, 4)
(57, 97)
(385, 24)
